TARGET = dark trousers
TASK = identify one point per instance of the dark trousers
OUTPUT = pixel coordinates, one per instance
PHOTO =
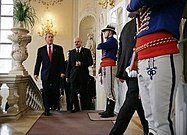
(74, 102)
(50, 94)
(67, 93)
(65, 89)
(79, 88)
(85, 98)
(131, 104)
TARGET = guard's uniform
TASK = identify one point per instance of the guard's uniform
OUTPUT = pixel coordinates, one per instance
(160, 64)
(108, 66)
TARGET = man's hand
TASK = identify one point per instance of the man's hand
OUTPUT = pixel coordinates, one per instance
(36, 77)
(78, 63)
(62, 75)
(131, 73)
(67, 80)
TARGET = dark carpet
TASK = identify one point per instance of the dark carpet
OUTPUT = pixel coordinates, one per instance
(66, 123)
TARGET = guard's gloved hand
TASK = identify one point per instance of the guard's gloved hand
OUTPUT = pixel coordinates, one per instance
(131, 73)
(67, 80)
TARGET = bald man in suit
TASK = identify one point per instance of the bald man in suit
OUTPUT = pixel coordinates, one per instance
(78, 75)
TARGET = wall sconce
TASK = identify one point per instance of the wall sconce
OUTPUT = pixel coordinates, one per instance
(106, 3)
(47, 27)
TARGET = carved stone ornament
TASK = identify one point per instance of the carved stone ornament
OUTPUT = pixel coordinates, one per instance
(19, 53)
(90, 44)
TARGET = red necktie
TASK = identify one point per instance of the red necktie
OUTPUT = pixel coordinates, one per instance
(50, 53)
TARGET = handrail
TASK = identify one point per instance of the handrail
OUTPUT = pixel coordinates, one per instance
(23, 94)
(38, 105)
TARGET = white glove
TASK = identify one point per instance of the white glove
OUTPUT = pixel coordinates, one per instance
(67, 80)
(132, 73)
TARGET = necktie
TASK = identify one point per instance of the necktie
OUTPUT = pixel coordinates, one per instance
(77, 54)
(50, 53)
(77, 50)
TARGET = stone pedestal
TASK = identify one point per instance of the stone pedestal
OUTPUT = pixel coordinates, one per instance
(19, 39)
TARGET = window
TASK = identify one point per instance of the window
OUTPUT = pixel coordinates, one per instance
(114, 17)
(118, 16)
(6, 23)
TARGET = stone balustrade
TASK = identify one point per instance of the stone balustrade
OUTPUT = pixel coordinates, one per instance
(23, 94)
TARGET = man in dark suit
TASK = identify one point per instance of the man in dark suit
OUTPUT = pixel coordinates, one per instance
(132, 102)
(78, 74)
(51, 57)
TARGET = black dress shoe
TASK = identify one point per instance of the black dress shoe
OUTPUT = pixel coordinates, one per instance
(101, 113)
(107, 115)
(75, 110)
(46, 113)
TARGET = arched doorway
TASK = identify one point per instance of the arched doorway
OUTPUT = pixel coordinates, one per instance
(87, 25)
(87, 29)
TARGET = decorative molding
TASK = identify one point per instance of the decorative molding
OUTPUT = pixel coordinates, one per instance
(106, 3)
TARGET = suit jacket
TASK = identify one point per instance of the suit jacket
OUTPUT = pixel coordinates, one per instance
(126, 44)
(51, 69)
(82, 71)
